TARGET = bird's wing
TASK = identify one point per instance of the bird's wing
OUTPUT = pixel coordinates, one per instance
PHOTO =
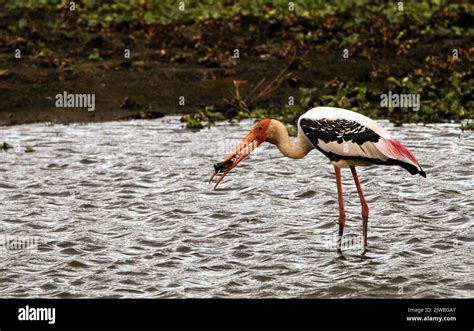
(342, 138)
(343, 134)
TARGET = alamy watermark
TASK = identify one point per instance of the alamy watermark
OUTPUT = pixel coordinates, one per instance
(68, 100)
(395, 100)
(347, 242)
(10, 243)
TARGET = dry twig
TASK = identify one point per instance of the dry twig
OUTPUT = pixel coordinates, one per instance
(258, 92)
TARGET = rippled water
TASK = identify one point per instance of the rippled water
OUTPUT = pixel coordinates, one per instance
(123, 209)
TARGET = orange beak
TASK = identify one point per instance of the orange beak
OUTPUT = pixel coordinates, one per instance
(241, 151)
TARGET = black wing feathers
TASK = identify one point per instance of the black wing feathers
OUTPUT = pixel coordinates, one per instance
(339, 130)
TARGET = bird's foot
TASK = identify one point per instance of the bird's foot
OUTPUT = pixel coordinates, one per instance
(364, 252)
(340, 255)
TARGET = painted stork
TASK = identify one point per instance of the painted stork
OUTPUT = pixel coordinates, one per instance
(346, 138)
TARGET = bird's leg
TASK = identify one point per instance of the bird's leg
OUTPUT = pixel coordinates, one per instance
(342, 213)
(365, 207)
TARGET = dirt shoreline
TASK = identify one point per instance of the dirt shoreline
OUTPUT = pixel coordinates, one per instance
(194, 61)
(152, 88)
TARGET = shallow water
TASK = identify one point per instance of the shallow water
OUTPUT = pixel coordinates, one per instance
(123, 209)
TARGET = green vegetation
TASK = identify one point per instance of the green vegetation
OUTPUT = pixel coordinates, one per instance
(138, 12)
(5, 146)
(443, 81)
(346, 21)
(450, 100)
(203, 118)
(423, 48)
(467, 126)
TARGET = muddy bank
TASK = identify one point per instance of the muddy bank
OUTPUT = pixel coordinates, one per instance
(183, 67)
(153, 88)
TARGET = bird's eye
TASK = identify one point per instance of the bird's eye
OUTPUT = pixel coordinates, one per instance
(260, 128)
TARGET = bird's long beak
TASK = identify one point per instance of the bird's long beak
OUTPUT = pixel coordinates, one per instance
(241, 151)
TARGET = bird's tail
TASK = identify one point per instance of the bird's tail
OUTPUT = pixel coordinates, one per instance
(394, 150)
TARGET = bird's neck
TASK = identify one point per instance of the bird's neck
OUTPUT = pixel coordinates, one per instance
(292, 150)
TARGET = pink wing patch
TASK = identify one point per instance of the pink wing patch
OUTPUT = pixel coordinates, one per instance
(395, 150)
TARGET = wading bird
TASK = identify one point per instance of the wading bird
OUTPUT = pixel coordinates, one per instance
(346, 138)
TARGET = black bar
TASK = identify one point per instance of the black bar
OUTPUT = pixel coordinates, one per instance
(222, 313)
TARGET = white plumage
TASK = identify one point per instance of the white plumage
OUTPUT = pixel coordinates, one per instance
(362, 153)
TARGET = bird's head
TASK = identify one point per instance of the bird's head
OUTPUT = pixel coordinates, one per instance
(261, 132)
